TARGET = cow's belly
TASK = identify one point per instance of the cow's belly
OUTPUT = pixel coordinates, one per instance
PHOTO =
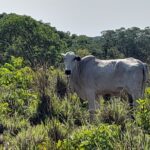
(111, 91)
(113, 87)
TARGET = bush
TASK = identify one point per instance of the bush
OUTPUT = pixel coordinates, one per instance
(33, 116)
(143, 114)
(61, 87)
(114, 112)
(16, 92)
(70, 111)
(134, 137)
(32, 138)
(101, 137)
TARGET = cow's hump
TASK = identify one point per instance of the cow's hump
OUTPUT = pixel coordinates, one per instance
(88, 58)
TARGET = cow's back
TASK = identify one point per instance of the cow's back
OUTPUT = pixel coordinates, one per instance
(109, 75)
(106, 76)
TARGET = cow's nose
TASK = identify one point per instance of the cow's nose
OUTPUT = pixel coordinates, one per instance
(67, 72)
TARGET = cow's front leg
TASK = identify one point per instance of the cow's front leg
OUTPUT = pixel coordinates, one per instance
(90, 95)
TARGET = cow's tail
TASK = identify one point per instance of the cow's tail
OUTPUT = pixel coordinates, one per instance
(145, 77)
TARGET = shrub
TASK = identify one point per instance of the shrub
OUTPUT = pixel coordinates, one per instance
(114, 112)
(143, 114)
(134, 137)
(56, 130)
(13, 125)
(69, 110)
(15, 85)
(32, 138)
(92, 138)
(61, 86)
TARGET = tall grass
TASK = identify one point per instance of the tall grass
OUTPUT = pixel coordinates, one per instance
(53, 121)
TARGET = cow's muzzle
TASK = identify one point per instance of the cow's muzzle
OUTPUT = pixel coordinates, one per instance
(67, 72)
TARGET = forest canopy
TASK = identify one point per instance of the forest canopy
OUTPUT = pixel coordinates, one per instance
(40, 43)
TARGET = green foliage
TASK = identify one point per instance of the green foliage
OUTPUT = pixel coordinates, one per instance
(115, 111)
(56, 130)
(61, 86)
(15, 124)
(143, 114)
(69, 110)
(82, 52)
(32, 138)
(130, 42)
(120, 43)
(134, 137)
(39, 43)
(101, 137)
(35, 41)
(15, 84)
(4, 109)
(147, 92)
(67, 125)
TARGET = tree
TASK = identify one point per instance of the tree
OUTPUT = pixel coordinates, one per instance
(33, 40)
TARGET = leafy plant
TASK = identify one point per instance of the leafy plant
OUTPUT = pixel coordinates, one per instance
(101, 137)
(143, 114)
(15, 83)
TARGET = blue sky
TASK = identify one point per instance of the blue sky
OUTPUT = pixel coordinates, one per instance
(89, 17)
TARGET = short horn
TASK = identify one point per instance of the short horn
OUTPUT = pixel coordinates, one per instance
(62, 54)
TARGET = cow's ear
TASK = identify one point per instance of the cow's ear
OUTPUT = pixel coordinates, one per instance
(77, 58)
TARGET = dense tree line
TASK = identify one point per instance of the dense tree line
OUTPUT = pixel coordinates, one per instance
(33, 40)
(132, 42)
(40, 43)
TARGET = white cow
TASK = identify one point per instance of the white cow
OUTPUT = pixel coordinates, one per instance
(91, 77)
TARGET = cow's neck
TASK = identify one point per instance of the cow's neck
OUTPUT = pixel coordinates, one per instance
(75, 70)
(75, 76)
(75, 81)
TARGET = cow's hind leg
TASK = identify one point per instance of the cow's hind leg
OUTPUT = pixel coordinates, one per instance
(131, 104)
(130, 100)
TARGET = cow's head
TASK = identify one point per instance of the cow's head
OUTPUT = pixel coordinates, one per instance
(70, 60)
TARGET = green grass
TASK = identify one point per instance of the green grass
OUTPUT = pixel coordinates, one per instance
(64, 123)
